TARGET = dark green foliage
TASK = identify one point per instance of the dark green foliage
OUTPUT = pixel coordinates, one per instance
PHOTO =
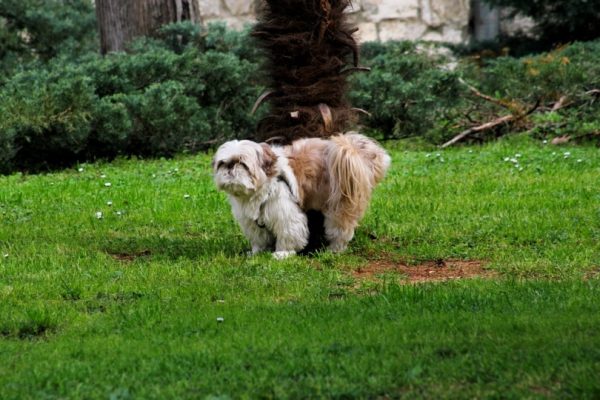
(412, 92)
(559, 21)
(164, 97)
(572, 72)
(190, 89)
(42, 29)
(406, 92)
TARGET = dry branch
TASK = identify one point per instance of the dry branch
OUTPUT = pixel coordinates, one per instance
(489, 125)
(561, 103)
(484, 96)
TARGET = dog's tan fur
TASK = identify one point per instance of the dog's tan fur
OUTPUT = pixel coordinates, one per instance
(337, 177)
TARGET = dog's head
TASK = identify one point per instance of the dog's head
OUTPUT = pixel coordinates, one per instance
(243, 167)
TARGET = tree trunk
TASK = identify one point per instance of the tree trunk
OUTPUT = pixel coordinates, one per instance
(121, 21)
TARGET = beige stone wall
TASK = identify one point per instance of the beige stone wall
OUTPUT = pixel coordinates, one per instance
(435, 20)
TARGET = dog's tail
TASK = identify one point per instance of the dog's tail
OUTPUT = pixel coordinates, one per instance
(356, 164)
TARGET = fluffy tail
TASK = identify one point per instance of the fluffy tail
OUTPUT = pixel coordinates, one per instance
(356, 164)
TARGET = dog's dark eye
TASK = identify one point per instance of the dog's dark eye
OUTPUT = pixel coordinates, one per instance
(220, 164)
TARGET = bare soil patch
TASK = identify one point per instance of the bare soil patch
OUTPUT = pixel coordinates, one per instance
(129, 257)
(430, 271)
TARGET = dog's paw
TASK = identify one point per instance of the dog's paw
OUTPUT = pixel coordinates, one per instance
(337, 247)
(281, 255)
(256, 250)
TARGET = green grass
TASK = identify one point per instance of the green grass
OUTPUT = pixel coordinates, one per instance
(126, 306)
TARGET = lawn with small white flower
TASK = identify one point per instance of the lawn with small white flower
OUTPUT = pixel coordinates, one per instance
(131, 280)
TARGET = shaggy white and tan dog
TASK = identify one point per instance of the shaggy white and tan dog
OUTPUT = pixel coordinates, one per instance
(270, 188)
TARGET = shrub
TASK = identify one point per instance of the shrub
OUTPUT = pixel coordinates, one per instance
(570, 73)
(42, 29)
(189, 89)
(46, 115)
(408, 90)
(153, 101)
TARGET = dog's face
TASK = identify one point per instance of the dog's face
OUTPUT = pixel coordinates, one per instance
(242, 167)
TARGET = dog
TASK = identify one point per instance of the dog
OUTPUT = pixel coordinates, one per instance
(263, 193)
(270, 188)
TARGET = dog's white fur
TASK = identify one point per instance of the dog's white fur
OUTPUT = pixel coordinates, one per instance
(263, 193)
(271, 192)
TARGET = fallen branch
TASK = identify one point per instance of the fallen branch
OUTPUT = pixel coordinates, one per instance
(484, 96)
(561, 103)
(490, 125)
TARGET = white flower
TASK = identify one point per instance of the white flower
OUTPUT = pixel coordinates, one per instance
(102, 176)
(119, 213)
(186, 196)
(580, 160)
(567, 153)
(427, 155)
(109, 203)
(108, 184)
(521, 169)
(442, 159)
(470, 151)
(438, 155)
(518, 155)
(176, 170)
(154, 175)
(80, 170)
(514, 160)
(506, 159)
(5, 255)
(99, 215)
(545, 142)
(220, 319)
(517, 166)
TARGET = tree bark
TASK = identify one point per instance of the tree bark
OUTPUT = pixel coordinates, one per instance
(120, 21)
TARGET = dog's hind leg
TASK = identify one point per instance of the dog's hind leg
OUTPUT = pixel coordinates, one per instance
(338, 234)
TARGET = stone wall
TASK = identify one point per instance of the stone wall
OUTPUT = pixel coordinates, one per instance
(435, 20)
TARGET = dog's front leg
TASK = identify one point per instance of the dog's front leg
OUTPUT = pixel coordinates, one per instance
(260, 238)
(291, 231)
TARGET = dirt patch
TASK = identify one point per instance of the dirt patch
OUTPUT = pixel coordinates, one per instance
(129, 257)
(593, 274)
(438, 270)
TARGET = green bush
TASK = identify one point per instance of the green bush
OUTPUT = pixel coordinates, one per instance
(39, 30)
(411, 92)
(155, 101)
(46, 115)
(189, 89)
(407, 91)
(572, 73)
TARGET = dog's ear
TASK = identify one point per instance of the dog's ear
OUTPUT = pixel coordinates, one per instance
(269, 159)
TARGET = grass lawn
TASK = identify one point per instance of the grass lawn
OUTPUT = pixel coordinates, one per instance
(113, 276)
